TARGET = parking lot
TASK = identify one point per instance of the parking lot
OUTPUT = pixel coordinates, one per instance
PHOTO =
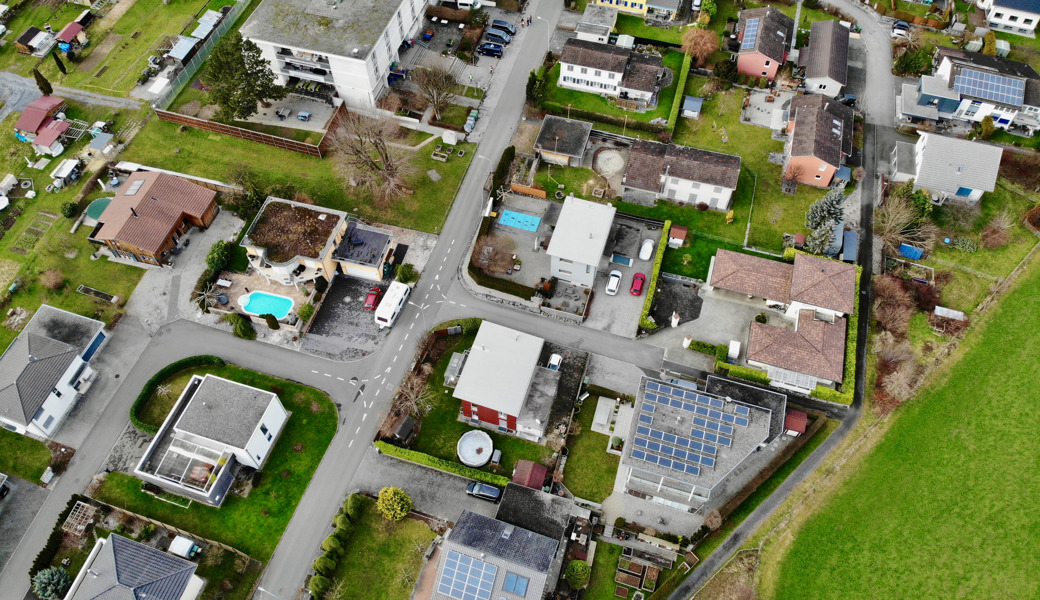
(17, 511)
(343, 329)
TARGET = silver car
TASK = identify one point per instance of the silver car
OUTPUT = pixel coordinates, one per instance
(613, 282)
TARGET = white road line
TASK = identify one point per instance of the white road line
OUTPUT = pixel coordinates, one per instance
(439, 289)
(340, 378)
(452, 242)
(406, 336)
(386, 371)
(377, 393)
(364, 381)
(350, 444)
(401, 347)
(435, 278)
(440, 267)
(357, 431)
(445, 258)
(462, 305)
(443, 297)
(328, 375)
(451, 302)
(364, 416)
(413, 322)
(395, 359)
(313, 371)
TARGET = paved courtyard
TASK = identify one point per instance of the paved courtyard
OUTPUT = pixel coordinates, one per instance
(343, 329)
(17, 511)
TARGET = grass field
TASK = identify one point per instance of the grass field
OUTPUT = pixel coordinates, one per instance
(592, 470)
(944, 506)
(254, 524)
(635, 27)
(700, 250)
(22, 456)
(377, 552)
(214, 156)
(604, 564)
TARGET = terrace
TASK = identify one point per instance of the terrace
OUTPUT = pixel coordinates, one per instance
(287, 230)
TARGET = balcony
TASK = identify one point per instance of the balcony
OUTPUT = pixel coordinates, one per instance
(313, 60)
(305, 72)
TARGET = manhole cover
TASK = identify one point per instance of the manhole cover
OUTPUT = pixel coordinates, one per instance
(347, 299)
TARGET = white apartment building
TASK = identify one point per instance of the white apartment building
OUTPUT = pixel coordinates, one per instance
(1013, 16)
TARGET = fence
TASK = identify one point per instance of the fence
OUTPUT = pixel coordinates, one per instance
(527, 189)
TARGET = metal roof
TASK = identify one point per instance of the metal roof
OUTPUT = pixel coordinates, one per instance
(581, 231)
(499, 368)
(507, 543)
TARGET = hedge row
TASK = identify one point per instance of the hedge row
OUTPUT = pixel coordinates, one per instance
(848, 382)
(506, 286)
(50, 549)
(644, 321)
(502, 170)
(577, 113)
(703, 347)
(334, 546)
(673, 117)
(441, 464)
(162, 375)
(746, 373)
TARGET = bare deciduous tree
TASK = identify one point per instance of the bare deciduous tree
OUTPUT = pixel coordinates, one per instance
(700, 43)
(889, 349)
(713, 520)
(364, 156)
(414, 396)
(902, 382)
(897, 222)
(437, 87)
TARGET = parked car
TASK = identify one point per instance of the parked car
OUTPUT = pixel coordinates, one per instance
(696, 4)
(489, 49)
(498, 36)
(484, 491)
(613, 283)
(554, 362)
(647, 250)
(372, 299)
(637, 284)
(504, 25)
(900, 29)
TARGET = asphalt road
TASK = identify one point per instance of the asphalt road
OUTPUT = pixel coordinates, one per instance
(16, 92)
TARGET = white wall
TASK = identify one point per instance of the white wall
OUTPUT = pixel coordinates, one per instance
(576, 273)
(591, 37)
(823, 85)
(586, 79)
(259, 445)
(794, 307)
(1012, 21)
(636, 94)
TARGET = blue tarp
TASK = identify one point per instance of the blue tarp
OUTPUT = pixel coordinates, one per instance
(911, 252)
(850, 248)
(844, 173)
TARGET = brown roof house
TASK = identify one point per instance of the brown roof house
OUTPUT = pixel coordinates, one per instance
(826, 58)
(612, 71)
(681, 174)
(562, 141)
(816, 294)
(820, 139)
(765, 37)
(149, 215)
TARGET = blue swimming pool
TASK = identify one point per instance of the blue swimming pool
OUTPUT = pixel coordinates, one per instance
(262, 303)
(517, 220)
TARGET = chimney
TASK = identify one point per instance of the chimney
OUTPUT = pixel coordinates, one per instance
(134, 212)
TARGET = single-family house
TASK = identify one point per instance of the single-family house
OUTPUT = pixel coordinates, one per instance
(503, 386)
(42, 125)
(292, 243)
(562, 141)
(826, 58)
(47, 369)
(149, 215)
(342, 51)
(1013, 16)
(947, 168)
(596, 23)
(638, 8)
(34, 41)
(611, 71)
(681, 174)
(970, 86)
(483, 559)
(820, 133)
(579, 240)
(118, 567)
(766, 36)
(216, 427)
(815, 295)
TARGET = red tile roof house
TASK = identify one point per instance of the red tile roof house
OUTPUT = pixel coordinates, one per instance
(38, 125)
(765, 36)
(681, 174)
(819, 139)
(817, 294)
(149, 215)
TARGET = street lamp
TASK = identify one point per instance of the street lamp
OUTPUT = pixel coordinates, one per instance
(548, 32)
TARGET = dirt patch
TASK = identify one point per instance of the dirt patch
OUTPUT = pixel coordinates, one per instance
(735, 581)
(8, 271)
(525, 137)
(100, 51)
(1022, 169)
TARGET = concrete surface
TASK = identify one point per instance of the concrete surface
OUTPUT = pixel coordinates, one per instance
(17, 512)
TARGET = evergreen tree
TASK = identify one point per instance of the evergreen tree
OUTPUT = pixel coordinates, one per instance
(42, 83)
(239, 78)
(821, 238)
(828, 208)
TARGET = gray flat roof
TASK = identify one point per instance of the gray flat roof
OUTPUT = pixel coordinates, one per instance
(322, 26)
(582, 231)
(535, 510)
(362, 244)
(773, 400)
(224, 411)
(540, 397)
(499, 368)
(597, 14)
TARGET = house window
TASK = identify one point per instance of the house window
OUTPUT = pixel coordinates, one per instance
(718, 190)
(562, 272)
(1027, 21)
(599, 73)
(515, 584)
(50, 421)
(768, 62)
(765, 74)
(1013, 18)
(963, 191)
(998, 15)
(258, 459)
(56, 392)
(819, 177)
(588, 269)
(570, 67)
(584, 71)
(823, 167)
(823, 86)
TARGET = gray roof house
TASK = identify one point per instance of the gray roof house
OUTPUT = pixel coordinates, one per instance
(948, 168)
(118, 569)
(826, 58)
(562, 141)
(216, 427)
(596, 23)
(484, 558)
(46, 369)
(682, 174)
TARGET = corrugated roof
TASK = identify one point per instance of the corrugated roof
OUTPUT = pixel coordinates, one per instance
(69, 32)
(125, 569)
(37, 113)
(582, 231)
(948, 164)
(828, 52)
(817, 348)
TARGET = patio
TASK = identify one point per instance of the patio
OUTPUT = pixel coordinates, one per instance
(759, 110)
(242, 284)
(321, 113)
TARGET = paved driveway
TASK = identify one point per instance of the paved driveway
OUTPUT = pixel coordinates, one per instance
(343, 329)
(433, 492)
(17, 511)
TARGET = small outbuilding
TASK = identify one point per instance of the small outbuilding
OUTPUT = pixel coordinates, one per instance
(691, 107)
(562, 141)
(530, 474)
(795, 423)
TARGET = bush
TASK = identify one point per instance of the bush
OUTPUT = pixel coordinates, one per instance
(241, 327)
(879, 7)
(644, 318)
(726, 70)
(761, 318)
(323, 565)
(162, 375)
(578, 573)
(219, 255)
(52, 279)
(499, 179)
(721, 353)
(441, 464)
(342, 533)
(848, 384)
(306, 312)
(319, 585)
(353, 507)
(50, 549)
(393, 503)
(746, 373)
(673, 116)
(331, 544)
(702, 347)
(406, 273)
(51, 584)
(341, 522)
(272, 322)
(68, 209)
(321, 285)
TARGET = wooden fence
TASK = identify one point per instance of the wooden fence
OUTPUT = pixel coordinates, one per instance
(528, 190)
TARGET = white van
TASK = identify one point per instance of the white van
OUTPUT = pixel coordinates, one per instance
(392, 304)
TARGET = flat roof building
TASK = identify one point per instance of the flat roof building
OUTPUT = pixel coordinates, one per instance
(580, 239)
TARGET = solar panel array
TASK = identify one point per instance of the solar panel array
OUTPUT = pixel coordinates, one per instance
(466, 578)
(990, 86)
(750, 34)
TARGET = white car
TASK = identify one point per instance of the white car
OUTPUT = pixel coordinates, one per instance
(647, 250)
(613, 283)
(554, 362)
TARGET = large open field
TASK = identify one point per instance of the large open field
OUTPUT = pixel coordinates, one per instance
(945, 505)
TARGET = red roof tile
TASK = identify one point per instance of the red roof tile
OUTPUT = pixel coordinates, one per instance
(529, 474)
(825, 283)
(752, 275)
(817, 348)
(37, 113)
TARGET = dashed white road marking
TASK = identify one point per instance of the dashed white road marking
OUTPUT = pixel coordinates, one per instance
(435, 278)
(445, 259)
(377, 393)
(364, 416)
(406, 336)
(313, 371)
(340, 378)
(395, 359)
(462, 305)
(451, 302)
(357, 431)
(386, 371)
(350, 444)
(413, 321)
(328, 375)
(401, 347)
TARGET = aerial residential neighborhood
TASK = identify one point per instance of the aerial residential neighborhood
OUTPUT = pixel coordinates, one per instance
(491, 300)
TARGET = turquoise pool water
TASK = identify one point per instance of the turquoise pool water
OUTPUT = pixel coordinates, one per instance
(97, 207)
(510, 218)
(262, 303)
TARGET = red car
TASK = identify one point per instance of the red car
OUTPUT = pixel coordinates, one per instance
(637, 284)
(372, 299)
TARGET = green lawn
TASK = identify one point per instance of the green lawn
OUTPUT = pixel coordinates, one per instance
(635, 27)
(33, 14)
(598, 104)
(254, 524)
(441, 428)
(590, 470)
(1002, 137)
(214, 156)
(456, 114)
(22, 456)
(944, 506)
(155, 409)
(575, 180)
(414, 137)
(700, 249)
(376, 555)
(604, 565)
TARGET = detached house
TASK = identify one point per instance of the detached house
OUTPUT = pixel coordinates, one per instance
(580, 240)
(1013, 16)
(611, 71)
(118, 567)
(42, 124)
(46, 370)
(826, 58)
(631, 7)
(820, 132)
(682, 174)
(562, 141)
(947, 168)
(765, 36)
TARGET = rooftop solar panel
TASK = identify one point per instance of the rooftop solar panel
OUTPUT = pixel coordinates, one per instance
(656, 447)
(743, 422)
(647, 407)
(664, 462)
(656, 434)
(715, 402)
(728, 418)
(990, 86)
(669, 438)
(641, 442)
(678, 466)
(646, 419)
(727, 429)
(639, 454)
(652, 385)
(466, 578)
(641, 430)
(742, 410)
(692, 469)
(750, 34)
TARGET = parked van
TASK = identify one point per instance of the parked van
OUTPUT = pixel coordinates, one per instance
(505, 26)
(392, 304)
(489, 49)
(498, 36)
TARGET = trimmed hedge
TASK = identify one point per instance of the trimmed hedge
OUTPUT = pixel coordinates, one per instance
(441, 464)
(848, 382)
(721, 354)
(353, 507)
(505, 286)
(703, 347)
(673, 116)
(50, 549)
(644, 321)
(577, 113)
(746, 373)
(162, 375)
(502, 170)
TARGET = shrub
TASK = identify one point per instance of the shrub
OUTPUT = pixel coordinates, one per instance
(993, 236)
(321, 285)
(323, 565)
(51, 584)
(52, 279)
(684, 72)
(761, 318)
(501, 175)
(342, 533)
(926, 296)
(272, 322)
(353, 507)
(702, 347)
(644, 320)
(319, 585)
(713, 520)
(341, 522)
(241, 327)
(68, 209)
(162, 375)
(306, 312)
(441, 464)
(507, 286)
(331, 544)
(578, 572)
(988, 128)
(721, 353)
(393, 503)
(406, 273)
(147, 531)
(219, 255)
(747, 373)
(50, 549)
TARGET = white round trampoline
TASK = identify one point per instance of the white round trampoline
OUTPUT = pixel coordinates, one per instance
(474, 448)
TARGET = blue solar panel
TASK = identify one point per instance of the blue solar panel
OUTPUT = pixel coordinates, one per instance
(653, 446)
(690, 395)
(466, 578)
(664, 462)
(676, 403)
(692, 469)
(641, 442)
(677, 466)
(652, 385)
(647, 407)
(639, 454)
(656, 434)
(716, 403)
(742, 410)
(679, 453)
(750, 34)
(669, 438)
(742, 421)
(727, 429)
(723, 440)
(642, 430)
(990, 86)
(709, 449)
(714, 414)
(646, 419)
(664, 389)
(689, 407)
(708, 462)
(651, 458)
(728, 418)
